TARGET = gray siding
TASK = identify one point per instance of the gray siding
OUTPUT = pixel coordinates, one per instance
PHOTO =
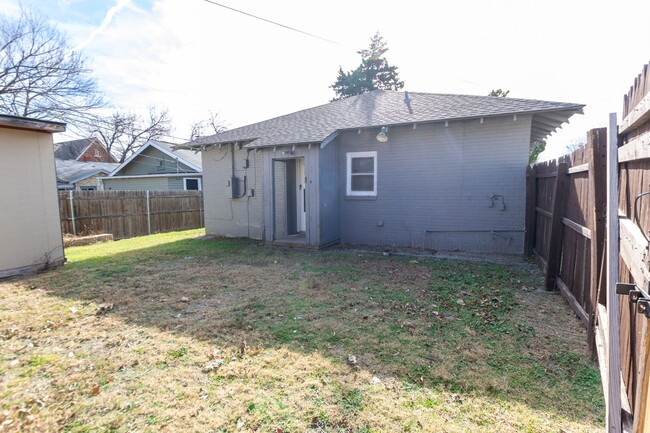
(225, 216)
(330, 193)
(136, 184)
(435, 186)
(149, 162)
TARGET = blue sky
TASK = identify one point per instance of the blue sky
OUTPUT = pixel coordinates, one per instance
(193, 57)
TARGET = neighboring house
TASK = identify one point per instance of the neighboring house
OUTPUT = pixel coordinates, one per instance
(86, 150)
(77, 175)
(155, 166)
(30, 229)
(433, 171)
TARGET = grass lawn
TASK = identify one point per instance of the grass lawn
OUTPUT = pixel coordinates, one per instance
(173, 333)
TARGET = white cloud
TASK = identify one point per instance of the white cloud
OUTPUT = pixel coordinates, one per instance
(9, 8)
(194, 57)
(121, 4)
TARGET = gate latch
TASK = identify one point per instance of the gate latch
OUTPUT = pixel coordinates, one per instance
(637, 296)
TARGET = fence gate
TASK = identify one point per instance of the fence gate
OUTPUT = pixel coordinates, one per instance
(574, 206)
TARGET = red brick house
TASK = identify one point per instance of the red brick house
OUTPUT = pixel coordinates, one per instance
(84, 150)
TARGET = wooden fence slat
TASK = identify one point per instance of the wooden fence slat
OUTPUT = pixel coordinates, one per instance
(546, 213)
(642, 405)
(531, 217)
(124, 213)
(635, 149)
(634, 251)
(547, 174)
(555, 242)
(573, 302)
(578, 168)
(639, 114)
(597, 156)
(584, 231)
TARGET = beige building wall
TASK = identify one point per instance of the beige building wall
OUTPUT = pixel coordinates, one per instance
(30, 228)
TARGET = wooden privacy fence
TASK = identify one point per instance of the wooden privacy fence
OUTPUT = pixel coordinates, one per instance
(126, 214)
(566, 226)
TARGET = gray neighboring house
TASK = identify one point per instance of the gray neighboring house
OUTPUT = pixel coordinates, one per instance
(433, 171)
(84, 176)
(156, 166)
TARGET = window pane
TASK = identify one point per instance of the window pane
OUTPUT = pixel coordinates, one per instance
(363, 165)
(191, 184)
(363, 182)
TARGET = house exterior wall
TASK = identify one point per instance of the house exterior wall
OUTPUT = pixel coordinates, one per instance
(460, 187)
(96, 153)
(224, 215)
(329, 192)
(30, 231)
(90, 181)
(149, 162)
(162, 183)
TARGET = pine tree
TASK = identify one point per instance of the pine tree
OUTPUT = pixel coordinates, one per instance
(373, 73)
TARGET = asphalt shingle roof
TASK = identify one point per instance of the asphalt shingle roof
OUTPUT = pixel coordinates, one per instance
(378, 108)
(71, 149)
(71, 171)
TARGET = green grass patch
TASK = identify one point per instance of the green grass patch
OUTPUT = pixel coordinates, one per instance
(436, 344)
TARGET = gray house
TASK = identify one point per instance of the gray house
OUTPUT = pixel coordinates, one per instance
(156, 166)
(433, 171)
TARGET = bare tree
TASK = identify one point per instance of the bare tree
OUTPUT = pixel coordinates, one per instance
(123, 133)
(212, 125)
(575, 145)
(40, 76)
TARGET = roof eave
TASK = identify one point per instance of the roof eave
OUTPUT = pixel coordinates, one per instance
(26, 123)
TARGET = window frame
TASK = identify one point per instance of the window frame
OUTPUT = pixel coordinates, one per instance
(349, 157)
(197, 179)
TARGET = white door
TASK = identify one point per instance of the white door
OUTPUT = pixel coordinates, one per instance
(301, 195)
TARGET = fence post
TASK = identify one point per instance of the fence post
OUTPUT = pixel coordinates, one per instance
(555, 242)
(148, 213)
(201, 223)
(613, 313)
(597, 159)
(531, 216)
(74, 226)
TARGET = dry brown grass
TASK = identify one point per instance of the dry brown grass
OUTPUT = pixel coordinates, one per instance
(284, 324)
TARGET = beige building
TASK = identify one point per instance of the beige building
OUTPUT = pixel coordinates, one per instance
(30, 228)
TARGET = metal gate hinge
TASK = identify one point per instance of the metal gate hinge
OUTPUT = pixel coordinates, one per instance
(637, 296)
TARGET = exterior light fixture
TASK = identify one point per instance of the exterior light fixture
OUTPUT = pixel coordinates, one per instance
(382, 137)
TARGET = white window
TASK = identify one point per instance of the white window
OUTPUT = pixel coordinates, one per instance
(192, 183)
(362, 173)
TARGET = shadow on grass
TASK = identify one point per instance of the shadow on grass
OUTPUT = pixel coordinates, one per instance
(443, 325)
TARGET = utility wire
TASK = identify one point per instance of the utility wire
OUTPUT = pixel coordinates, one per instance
(272, 22)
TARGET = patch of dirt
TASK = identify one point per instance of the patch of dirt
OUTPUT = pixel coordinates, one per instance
(501, 259)
(549, 314)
